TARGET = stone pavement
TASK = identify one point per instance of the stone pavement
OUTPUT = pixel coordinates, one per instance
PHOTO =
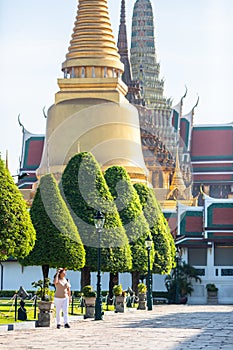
(170, 327)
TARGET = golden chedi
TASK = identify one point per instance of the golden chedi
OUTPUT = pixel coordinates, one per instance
(91, 112)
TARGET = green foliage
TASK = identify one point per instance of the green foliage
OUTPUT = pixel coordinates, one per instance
(88, 291)
(211, 287)
(17, 234)
(142, 288)
(85, 191)
(131, 214)
(43, 291)
(117, 290)
(181, 277)
(164, 245)
(58, 242)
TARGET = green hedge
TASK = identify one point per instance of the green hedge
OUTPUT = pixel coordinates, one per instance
(11, 293)
(160, 294)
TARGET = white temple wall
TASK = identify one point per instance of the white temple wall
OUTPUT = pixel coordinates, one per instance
(13, 275)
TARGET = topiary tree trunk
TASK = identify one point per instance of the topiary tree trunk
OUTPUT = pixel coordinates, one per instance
(113, 281)
(135, 281)
(85, 276)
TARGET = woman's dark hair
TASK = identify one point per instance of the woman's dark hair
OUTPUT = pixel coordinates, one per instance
(59, 272)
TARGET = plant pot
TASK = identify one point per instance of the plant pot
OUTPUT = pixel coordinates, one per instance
(142, 301)
(45, 305)
(45, 316)
(120, 303)
(90, 307)
(212, 297)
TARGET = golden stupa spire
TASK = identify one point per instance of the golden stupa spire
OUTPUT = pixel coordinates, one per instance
(92, 37)
(92, 62)
(91, 112)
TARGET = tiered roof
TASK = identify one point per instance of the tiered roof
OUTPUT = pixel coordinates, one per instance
(212, 153)
(200, 226)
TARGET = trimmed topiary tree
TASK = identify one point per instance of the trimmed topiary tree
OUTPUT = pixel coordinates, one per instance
(164, 258)
(132, 217)
(57, 239)
(17, 234)
(85, 191)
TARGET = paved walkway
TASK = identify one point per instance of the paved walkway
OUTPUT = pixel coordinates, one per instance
(170, 327)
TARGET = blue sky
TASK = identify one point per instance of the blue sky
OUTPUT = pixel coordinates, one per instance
(194, 41)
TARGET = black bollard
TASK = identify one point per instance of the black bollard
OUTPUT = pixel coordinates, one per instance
(22, 312)
(35, 306)
(16, 300)
(107, 296)
(82, 304)
(72, 303)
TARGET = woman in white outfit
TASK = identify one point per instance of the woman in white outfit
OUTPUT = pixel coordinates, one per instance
(61, 297)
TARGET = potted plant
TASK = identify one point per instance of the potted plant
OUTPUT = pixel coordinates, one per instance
(44, 293)
(117, 290)
(120, 298)
(179, 283)
(211, 287)
(46, 304)
(89, 296)
(142, 289)
(212, 293)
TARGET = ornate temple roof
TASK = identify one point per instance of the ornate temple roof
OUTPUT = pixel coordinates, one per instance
(199, 226)
(94, 61)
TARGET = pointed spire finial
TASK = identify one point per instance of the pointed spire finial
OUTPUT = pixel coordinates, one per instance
(122, 45)
(177, 183)
(122, 12)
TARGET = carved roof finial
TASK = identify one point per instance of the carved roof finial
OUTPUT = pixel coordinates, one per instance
(19, 121)
(44, 113)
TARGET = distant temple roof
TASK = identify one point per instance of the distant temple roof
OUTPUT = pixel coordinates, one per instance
(212, 153)
(32, 148)
(199, 226)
